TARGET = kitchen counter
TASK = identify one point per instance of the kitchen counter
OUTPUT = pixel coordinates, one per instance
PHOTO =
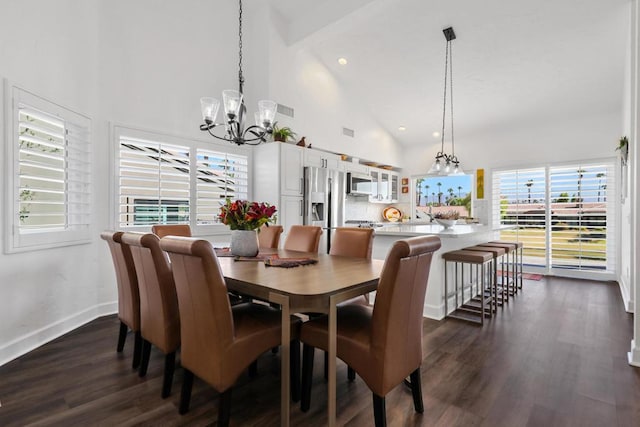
(458, 230)
(458, 237)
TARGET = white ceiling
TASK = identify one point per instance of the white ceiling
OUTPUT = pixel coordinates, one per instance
(516, 62)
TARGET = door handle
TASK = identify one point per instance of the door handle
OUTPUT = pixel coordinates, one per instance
(301, 184)
(301, 206)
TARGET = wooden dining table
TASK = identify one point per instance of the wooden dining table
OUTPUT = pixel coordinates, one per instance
(315, 288)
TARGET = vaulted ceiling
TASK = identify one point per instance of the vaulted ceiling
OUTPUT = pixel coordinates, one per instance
(515, 62)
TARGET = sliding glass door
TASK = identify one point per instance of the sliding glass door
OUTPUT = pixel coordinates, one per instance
(564, 215)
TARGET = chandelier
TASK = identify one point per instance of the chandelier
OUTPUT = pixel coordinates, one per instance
(447, 164)
(235, 111)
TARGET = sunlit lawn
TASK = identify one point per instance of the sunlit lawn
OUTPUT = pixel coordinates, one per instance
(567, 244)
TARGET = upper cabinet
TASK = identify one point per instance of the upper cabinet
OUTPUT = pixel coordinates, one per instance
(355, 167)
(291, 176)
(385, 185)
(321, 159)
(277, 171)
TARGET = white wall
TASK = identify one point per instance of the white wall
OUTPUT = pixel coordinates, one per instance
(143, 64)
(47, 50)
(323, 106)
(566, 139)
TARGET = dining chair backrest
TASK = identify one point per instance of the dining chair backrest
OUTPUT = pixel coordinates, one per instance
(206, 322)
(303, 238)
(159, 317)
(396, 330)
(162, 230)
(126, 279)
(352, 242)
(269, 236)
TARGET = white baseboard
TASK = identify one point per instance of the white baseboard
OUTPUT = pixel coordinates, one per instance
(435, 312)
(634, 355)
(624, 291)
(35, 339)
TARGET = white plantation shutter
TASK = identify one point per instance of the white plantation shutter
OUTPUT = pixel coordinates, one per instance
(168, 180)
(565, 216)
(50, 175)
(154, 183)
(220, 176)
(520, 200)
(581, 213)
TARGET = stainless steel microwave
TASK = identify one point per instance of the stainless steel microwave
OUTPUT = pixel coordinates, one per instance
(359, 184)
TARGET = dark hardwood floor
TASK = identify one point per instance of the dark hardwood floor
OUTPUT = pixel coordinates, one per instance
(556, 355)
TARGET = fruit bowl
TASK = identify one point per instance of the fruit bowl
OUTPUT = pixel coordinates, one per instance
(446, 223)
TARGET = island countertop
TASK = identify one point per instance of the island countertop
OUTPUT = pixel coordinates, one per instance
(458, 230)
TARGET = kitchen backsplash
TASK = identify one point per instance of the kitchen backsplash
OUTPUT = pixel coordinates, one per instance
(359, 208)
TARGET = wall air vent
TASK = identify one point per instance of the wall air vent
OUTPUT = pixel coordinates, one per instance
(285, 111)
(348, 132)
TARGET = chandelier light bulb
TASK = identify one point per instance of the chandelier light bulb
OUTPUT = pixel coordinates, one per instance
(438, 164)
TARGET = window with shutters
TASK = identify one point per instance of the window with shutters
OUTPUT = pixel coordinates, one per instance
(564, 215)
(49, 166)
(168, 180)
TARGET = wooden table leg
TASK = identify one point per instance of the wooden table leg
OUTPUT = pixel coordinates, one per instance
(284, 357)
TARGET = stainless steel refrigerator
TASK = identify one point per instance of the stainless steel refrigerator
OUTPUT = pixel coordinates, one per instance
(324, 198)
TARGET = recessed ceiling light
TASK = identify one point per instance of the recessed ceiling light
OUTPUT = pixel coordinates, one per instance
(342, 61)
(402, 128)
(436, 134)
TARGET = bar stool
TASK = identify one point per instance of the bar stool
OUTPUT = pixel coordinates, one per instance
(474, 309)
(518, 257)
(514, 270)
(498, 255)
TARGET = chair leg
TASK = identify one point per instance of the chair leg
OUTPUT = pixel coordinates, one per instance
(326, 365)
(185, 395)
(137, 351)
(253, 369)
(295, 370)
(224, 410)
(122, 336)
(351, 374)
(169, 368)
(379, 411)
(307, 373)
(146, 353)
(416, 390)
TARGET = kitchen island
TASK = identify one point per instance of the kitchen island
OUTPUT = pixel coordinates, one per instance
(458, 237)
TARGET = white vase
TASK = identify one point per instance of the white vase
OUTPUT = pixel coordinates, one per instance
(244, 242)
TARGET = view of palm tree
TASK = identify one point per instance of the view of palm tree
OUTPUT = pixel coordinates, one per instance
(443, 200)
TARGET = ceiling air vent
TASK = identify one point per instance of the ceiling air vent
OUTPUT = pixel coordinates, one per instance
(348, 132)
(285, 111)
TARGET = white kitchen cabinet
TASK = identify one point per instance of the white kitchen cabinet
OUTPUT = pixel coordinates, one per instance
(289, 213)
(355, 167)
(291, 175)
(321, 159)
(278, 180)
(385, 186)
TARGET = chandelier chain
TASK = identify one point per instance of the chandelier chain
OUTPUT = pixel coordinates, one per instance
(240, 75)
(453, 151)
(444, 97)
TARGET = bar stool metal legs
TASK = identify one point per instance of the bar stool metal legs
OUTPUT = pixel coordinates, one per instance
(479, 304)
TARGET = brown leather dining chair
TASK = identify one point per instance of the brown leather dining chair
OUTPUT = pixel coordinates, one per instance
(128, 295)
(382, 344)
(162, 230)
(352, 242)
(269, 236)
(159, 318)
(218, 341)
(356, 243)
(184, 230)
(303, 238)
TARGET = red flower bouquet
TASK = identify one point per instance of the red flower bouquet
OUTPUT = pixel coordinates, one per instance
(245, 215)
